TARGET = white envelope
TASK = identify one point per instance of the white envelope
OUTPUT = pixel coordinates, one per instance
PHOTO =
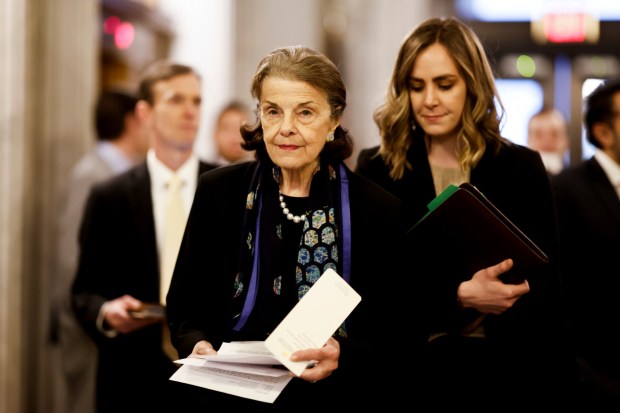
(313, 320)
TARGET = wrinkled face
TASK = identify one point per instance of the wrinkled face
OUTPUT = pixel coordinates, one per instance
(296, 119)
(437, 92)
(228, 136)
(175, 115)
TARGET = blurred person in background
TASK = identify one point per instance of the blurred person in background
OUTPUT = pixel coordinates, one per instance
(227, 134)
(489, 343)
(121, 144)
(123, 240)
(547, 133)
(588, 203)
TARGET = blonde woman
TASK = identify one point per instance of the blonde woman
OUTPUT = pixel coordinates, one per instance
(440, 125)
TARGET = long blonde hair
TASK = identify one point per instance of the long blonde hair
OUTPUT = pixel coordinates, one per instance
(480, 122)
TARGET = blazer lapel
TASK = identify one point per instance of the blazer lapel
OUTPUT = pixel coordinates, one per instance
(603, 190)
(143, 218)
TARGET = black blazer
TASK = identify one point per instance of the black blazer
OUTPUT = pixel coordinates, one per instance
(202, 285)
(118, 255)
(589, 222)
(514, 179)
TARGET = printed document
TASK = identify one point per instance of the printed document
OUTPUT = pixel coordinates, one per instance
(261, 370)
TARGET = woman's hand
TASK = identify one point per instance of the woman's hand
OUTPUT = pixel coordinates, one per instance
(323, 360)
(203, 347)
(486, 293)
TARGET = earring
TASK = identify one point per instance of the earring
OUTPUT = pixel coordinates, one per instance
(330, 136)
(413, 126)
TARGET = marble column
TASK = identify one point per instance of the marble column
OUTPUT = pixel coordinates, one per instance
(48, 78)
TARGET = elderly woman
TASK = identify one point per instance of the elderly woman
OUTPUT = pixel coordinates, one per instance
(261, 233)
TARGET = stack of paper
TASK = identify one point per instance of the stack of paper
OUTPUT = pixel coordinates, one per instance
(261, 370)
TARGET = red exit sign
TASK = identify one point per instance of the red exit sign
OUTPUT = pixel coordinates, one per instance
(561, 27)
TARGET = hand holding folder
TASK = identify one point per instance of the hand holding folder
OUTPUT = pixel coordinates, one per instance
(470, 230)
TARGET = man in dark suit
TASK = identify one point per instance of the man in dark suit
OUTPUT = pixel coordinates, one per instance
(588, 205)
(121, 144)
(121, 239)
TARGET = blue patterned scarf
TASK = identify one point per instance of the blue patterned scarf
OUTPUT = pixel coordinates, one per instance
(322, 244)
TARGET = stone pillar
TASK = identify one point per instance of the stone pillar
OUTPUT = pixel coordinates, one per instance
(12, 148)
(375, 30)
(48, 78)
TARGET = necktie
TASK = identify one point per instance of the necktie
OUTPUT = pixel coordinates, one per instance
(174, 226)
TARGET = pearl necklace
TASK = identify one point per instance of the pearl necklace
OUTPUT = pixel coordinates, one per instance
(285, 211)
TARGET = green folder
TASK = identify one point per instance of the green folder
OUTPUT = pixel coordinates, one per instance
(468, 230)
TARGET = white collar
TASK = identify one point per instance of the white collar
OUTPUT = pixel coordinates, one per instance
(160, 173)
(611, 168)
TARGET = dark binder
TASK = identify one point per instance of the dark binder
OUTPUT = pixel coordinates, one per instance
(473, 234)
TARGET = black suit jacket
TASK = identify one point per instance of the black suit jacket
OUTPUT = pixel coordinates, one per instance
(534, 331)
(201, 289)
(589, 222)
(118, 256)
